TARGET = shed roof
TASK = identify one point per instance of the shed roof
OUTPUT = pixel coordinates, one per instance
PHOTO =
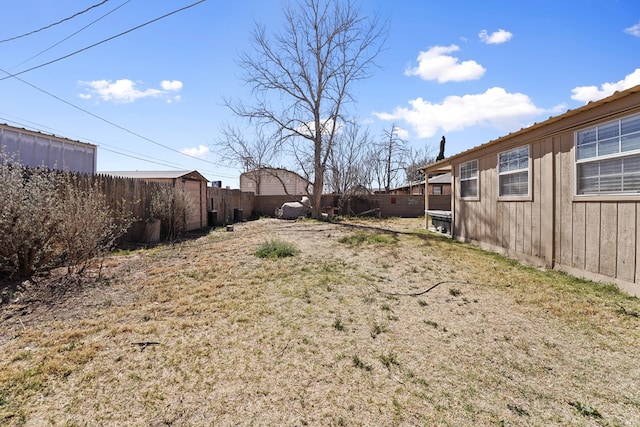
(445, 164)
(157, 174)
(444, 178)
(275, 171)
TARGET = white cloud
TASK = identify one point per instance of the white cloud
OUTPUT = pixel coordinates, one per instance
(593, 93)
(497, 37)
(124, 91)
(495, 108)
(558, 109)
(199, 151)
(171, 85)
(436, 64)
(634, 30)
(402, 133)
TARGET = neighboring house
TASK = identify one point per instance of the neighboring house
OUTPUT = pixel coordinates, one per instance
(413, 188)
(192, 181)
(439, 191)
(274, 182)
(36, 149)
(564, 193)
(440, 185)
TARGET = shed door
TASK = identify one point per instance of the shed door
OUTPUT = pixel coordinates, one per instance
(192, 189)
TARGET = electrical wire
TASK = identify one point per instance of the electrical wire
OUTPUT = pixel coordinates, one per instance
(72, 34)
(116, 150)
(100, 42)
(55, 23)
(9, 75)
(112, 123)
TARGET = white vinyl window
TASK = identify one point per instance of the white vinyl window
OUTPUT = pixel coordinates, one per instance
(513, 172)
(469, 179)
(608, 157)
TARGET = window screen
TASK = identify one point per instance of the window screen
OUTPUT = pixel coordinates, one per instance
(608, 157)
(513, 172)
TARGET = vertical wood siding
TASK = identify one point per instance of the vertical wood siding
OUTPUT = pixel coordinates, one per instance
(597, 236)
(592, 235)
(627, 241)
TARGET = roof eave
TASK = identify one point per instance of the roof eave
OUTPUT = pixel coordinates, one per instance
(445, 165)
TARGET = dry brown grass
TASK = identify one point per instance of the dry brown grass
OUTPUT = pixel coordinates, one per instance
(328, 337)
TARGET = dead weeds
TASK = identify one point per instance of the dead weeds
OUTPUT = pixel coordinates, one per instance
(206, 333)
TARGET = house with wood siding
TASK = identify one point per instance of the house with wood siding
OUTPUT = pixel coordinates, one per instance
(563, 193)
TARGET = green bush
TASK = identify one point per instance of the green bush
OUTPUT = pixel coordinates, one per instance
(276, 249)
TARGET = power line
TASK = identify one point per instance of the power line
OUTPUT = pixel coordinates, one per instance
(178, 167)
(112, 123)
(54, 24)
(116, 150)
(144, 158)
(9, 75)
(73, 34)
(100, 42)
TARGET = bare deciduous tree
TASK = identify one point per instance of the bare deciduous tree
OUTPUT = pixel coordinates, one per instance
(302, 78)
(347, 171)
(255, 155)
(415, 162)
(388, 158)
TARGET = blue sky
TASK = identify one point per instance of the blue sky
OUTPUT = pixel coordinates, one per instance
(472, 71)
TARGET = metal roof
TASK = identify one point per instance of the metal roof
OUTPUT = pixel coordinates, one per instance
(47, 135)
(445, 164)
(156, 174)
(445, 178)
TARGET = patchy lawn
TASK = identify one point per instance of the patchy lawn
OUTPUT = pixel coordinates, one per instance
(370, 322)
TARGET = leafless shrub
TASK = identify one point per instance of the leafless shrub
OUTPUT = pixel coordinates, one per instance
(88, 227)
(50, 219)
(28, 220)
(172, 206)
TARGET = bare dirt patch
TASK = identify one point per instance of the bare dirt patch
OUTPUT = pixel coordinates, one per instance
(348, 332)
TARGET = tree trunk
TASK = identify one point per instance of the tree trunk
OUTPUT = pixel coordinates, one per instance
(318, 183)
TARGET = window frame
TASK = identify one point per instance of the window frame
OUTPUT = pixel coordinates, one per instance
(515, 197)
(476, 197)
(598, 158)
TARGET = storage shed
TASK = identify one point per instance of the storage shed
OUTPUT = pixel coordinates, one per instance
(274, 182)
(563, 194)
(37, 149)
(192, 181)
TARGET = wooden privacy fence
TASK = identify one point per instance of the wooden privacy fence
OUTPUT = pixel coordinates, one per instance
(228, 206)
(234, 205)
(133, 195)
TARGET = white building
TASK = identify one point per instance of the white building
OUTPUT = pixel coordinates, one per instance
(36, 149)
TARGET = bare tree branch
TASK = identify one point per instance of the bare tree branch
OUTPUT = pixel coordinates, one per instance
(301, 78)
